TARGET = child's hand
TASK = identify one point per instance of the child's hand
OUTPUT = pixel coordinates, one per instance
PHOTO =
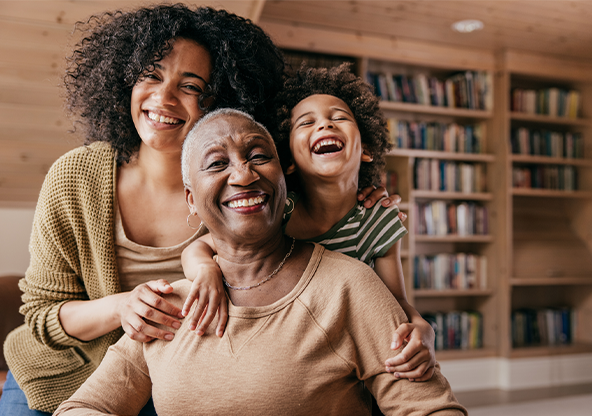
(417, 360)
(371, 195)
(208, 290)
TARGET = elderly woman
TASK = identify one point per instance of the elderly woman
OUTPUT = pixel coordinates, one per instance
(307, 327)
(110, 223)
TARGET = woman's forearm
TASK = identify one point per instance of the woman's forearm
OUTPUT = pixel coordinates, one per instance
(90, 319)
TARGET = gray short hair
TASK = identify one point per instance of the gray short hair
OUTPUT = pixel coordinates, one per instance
(192, 136)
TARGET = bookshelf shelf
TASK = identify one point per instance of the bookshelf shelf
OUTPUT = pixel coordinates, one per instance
(464, 354)
(433, 293)
(549, 193)
(586, 163)
(453, 238)
(551, 281)
(537, 118)
(434, 154)
(470, 196)
(435, 110)
(546, 350)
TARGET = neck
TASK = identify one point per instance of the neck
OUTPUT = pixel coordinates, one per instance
(247, 265)
(159, 170)
(325, 203)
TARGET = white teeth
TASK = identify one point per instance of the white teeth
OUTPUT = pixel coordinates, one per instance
(163, 119)
(246, 202)
(327, 142)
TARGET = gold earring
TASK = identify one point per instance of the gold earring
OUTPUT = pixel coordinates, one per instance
(189, 221)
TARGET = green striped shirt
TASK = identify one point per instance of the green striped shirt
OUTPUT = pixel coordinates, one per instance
(364, 233)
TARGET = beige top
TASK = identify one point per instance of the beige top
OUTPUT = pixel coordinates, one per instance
(138, 264)
(309, 353)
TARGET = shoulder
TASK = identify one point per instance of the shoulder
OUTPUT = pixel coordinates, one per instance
(83, 165)
(180, 291)
(98, 153)
(345, 273)
(343, 285)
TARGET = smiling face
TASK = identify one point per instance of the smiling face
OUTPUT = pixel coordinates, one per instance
(237, 184)
(164, 102)
(324, 139)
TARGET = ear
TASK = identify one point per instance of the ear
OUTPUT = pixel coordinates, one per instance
(291, 169)
(189, 200)
(366, 156)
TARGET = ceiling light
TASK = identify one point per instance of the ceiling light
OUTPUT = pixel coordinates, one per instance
(467, 26)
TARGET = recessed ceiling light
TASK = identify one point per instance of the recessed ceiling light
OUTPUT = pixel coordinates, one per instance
(467, 26)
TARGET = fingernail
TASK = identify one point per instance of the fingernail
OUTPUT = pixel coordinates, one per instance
(176, 325)
(396, 375)
(169, 337)
(394, 346)
(192, 327)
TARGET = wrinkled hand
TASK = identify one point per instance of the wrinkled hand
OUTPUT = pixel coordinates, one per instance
(208, 291)
(371, 195)
(144, 306)
(417, 360)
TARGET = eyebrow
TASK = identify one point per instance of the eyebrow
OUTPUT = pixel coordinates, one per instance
(334, 108)
(185, 74)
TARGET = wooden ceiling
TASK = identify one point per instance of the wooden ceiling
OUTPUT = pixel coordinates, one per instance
(559, 27)
(36, 36)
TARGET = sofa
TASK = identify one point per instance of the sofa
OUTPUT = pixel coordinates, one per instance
(10, 318)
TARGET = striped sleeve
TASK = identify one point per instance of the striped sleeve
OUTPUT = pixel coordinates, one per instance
(365, 234)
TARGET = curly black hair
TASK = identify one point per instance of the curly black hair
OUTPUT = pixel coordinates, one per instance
(118, 47)
(340, 82)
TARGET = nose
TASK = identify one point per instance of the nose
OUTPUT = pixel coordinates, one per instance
(243, 175)
(325, 124)
(166, 94)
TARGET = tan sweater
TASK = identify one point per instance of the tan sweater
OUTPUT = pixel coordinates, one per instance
(306, 354)
(72, 258)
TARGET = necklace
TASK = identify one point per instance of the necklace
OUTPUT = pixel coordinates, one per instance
(267, 278)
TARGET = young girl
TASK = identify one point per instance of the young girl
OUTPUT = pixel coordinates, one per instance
(332, 140)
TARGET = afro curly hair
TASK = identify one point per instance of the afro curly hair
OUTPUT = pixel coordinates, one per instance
(118, 47)
(340, 82)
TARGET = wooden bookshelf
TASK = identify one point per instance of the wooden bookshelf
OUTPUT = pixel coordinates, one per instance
(546, 243)
(402, 160)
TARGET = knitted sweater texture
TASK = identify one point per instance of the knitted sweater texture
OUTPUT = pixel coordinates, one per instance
(72, 258)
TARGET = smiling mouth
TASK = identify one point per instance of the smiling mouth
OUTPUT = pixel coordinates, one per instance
(162, 119)
(325, 146)
(246, 202)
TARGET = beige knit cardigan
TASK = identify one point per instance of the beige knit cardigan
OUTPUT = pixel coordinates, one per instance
(72, 258)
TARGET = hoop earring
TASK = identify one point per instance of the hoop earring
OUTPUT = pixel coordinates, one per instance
(189, 221)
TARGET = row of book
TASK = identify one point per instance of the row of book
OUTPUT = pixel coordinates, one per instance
(448, 176)
(450, 271)
(451, 137)
(554, 102)
(545, 326)
(457, 330)
(450, 218)
(526, 141)
(470, 89)
(554, 177)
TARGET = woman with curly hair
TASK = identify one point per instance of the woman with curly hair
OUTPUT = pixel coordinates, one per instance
(332, 137)
(110, 223)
